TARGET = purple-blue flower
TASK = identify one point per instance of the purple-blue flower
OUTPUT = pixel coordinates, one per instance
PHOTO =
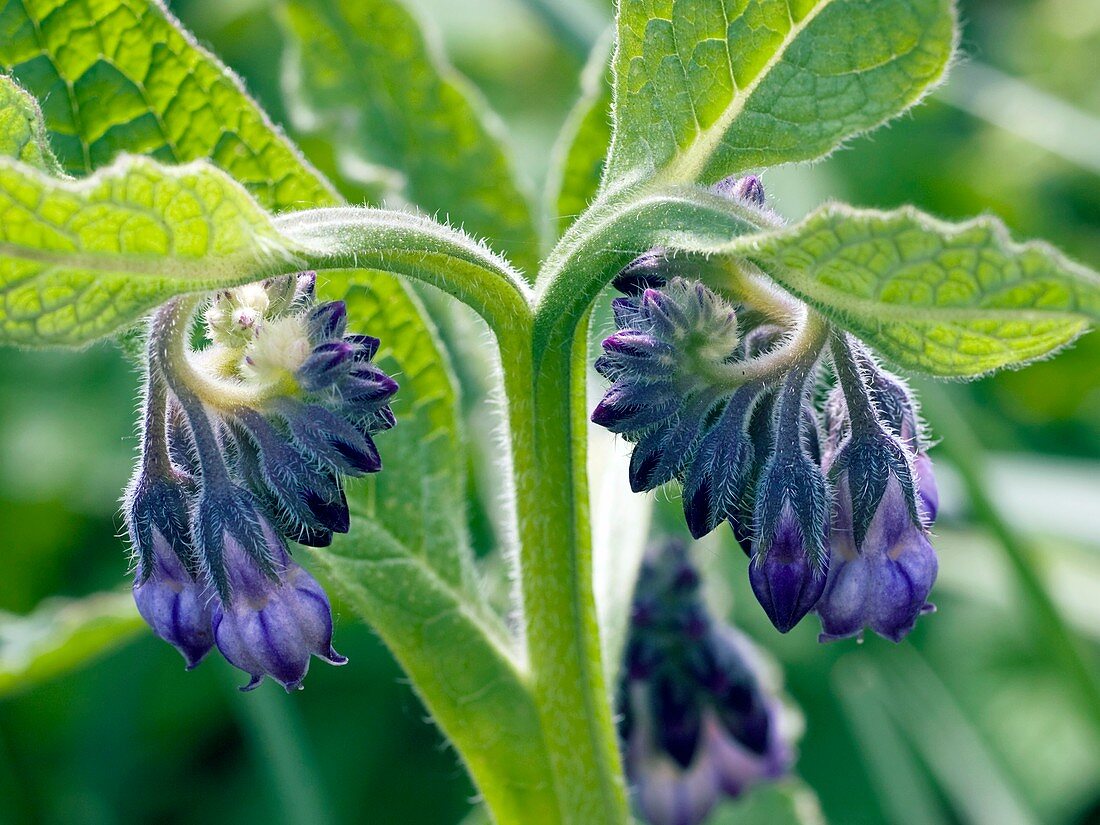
(884, 585)
(175, 603)
(275, 621)
(882, 565)
(229, 475)
(696, 722)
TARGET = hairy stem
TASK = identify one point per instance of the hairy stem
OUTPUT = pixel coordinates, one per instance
(548, 423)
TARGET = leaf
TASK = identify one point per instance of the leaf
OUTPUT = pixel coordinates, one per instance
(22, 132)
(951, 300)
(709, 88)
(361, 72)
(420, 496)
(80, 259)
(581, 149)
(62, 635)
(457, 658)
(119, 76)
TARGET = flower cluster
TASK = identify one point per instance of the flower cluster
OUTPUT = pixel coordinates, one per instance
(695, 720)
(833, 502)
(245, 443)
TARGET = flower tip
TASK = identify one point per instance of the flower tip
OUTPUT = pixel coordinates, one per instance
(253, 683)
(334, 658)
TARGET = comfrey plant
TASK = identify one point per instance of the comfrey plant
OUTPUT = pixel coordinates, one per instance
(747, 368)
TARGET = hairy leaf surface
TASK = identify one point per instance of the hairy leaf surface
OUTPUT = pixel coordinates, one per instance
(361, 72)
(953, 300)
(121, 76)
(22, 132)
(709, 88)
(80, 259)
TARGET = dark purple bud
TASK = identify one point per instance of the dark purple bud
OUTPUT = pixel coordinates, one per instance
(749, 189)
(275, 623)
(366, 385)
(648, 271)
(312, 497)
(327, 321)
(786, 580)
(718, 475)
(790, 547)
(625, 312)
(885, 585)
(325, 365)
(629, 407)
(173, 602)
(366, 346)
(330, 439)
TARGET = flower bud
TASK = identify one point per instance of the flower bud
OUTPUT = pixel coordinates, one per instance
(167, 587)
(785, 575)
(330, 439)
(310, 496)
(748, 189)
(327, 322)
(883, 585)
(173, 603)
(790, 546)
(695, 720)
(275, 622)
(324, 366)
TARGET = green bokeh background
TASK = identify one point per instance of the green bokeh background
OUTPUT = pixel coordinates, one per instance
(980, 723)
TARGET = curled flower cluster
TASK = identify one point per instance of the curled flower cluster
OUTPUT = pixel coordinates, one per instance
(244, 447)
(696, 722)
(832, 502)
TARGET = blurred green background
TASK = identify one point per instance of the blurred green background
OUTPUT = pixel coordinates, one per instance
(990, 715)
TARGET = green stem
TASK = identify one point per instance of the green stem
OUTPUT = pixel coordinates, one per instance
(965, 452)
(548, 428)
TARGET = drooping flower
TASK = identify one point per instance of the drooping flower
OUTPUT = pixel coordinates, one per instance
(789, 546)
(259, 472)
(275, 621)
(171, 595)
(883, 564)
(696, 722)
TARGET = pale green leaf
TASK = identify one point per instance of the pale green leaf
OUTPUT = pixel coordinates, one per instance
(121, 76)
(581, 150)
(952, 300)
(22, 132)
(80, 259)
(420, 497)
(709, 88)
(62, 635)
(362, 73)
(458, 660)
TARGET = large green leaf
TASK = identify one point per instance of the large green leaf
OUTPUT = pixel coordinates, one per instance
(708, 88)
(361, 72)
(953, 300)
(117, 76)
(80, 259)
(22, 132)
(62, 635)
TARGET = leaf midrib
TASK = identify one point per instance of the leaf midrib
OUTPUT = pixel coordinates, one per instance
(687, 164)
